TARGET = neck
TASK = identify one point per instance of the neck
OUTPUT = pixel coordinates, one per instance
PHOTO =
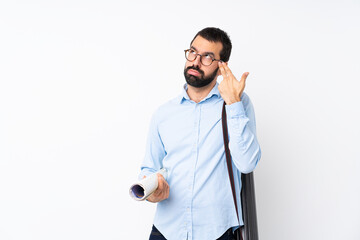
(198, 94)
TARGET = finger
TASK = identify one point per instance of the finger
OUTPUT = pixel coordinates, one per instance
(165, 187)
(243, 77)
(166, 190)
(160, 182)
(222, 69)
(167, 193)
(227, 70)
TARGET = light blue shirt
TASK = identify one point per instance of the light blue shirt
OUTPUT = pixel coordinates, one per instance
(186, 138)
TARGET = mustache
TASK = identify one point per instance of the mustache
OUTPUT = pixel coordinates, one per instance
(195, 68)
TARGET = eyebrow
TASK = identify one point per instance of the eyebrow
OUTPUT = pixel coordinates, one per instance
(210, 53)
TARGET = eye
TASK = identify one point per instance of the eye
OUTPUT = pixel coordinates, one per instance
(192, 51)
(207, 56)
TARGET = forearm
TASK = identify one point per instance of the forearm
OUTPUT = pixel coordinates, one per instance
(154, 152)
(244, 147)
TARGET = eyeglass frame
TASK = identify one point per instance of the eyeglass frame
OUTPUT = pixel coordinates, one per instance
(198, 54)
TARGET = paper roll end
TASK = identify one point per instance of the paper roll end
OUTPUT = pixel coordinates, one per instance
(137, 192)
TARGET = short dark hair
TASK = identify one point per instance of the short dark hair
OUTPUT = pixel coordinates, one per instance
(213, 34)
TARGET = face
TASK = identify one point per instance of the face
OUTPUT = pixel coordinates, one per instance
(196, 74)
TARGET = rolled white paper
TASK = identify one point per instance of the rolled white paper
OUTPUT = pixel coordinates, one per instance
(144, 188)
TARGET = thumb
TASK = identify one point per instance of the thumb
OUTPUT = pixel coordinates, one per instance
(244, 76)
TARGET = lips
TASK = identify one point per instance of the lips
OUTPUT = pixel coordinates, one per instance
(193, 72)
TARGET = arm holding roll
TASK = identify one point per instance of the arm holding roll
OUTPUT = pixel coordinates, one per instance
(154, 155)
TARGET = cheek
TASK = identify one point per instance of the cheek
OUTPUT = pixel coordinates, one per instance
(212, 70)
(188, 64)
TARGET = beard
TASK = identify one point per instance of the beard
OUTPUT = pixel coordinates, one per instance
(201, 81)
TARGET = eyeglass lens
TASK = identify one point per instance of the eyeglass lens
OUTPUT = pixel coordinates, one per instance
(204, 59)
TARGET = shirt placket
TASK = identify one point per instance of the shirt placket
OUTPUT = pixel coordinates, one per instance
(195, 153)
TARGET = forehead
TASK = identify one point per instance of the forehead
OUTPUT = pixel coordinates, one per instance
(202, 45)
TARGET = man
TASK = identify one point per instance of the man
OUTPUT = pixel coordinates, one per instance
(185, 137)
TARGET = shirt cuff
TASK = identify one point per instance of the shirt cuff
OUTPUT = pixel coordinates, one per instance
(145, 172)
(235, 110)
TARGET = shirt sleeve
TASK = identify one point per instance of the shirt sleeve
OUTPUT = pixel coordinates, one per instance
(243, 144)
(154, 151)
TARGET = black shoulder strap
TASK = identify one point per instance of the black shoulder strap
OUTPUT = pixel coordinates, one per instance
(250, 229)
(228, 157)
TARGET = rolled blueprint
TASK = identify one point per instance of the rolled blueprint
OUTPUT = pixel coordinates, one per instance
(144, 188)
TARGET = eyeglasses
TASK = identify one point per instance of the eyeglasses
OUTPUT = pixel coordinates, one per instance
(206, 59)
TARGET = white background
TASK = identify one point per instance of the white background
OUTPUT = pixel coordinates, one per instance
(79, 81)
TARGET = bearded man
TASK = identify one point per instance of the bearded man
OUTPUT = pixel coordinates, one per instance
(185, 137)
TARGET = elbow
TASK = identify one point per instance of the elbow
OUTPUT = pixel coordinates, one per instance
(246, 170)
(247, 163)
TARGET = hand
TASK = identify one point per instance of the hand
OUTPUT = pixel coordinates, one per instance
(230, 88)
(162, 192)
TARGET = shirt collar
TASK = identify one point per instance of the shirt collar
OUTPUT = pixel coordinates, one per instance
(185, 97)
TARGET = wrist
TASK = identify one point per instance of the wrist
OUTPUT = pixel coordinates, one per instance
(231, 101)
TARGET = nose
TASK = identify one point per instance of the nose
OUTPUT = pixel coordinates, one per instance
(197, 61)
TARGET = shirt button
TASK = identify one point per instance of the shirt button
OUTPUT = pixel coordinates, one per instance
(188, 209)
